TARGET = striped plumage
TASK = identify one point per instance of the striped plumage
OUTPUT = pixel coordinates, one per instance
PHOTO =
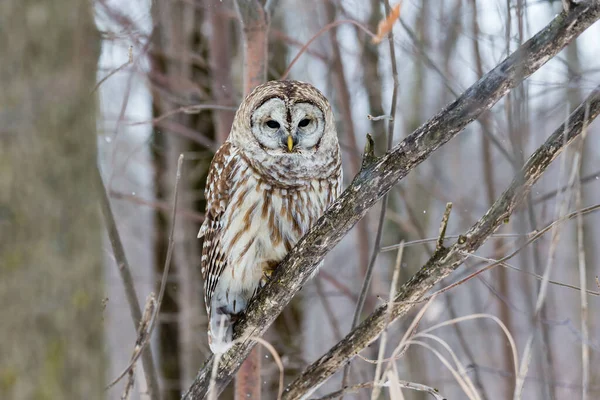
(266, 186)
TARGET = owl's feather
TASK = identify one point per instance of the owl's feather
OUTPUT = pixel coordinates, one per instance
(261, 200)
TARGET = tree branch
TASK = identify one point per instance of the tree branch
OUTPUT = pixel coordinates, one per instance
(445, 261)
(374, 180)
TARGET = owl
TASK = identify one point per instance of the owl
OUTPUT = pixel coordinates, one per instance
(276, 174)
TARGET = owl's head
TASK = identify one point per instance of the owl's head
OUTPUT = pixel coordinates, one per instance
(285, 119)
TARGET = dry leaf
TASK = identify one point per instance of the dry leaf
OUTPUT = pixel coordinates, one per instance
(386, 25)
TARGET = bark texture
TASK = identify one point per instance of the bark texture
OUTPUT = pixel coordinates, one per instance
(51, 278)
(445, 260)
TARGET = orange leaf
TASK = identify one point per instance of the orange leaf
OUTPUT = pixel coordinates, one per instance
(386, 25)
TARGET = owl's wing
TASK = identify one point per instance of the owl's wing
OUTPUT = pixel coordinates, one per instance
(217, 195)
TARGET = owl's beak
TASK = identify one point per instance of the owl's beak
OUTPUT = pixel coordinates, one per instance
(290, 143)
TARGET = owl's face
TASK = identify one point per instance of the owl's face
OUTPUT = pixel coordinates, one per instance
(286, 129)
(282, 127)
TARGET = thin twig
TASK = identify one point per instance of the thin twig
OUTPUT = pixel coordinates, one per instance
(550, 195)
(364, 291)
(469, 387)
(402, 347)
(534, 275)
(163, 283)
(193, 109)
(319, 33)
(514, 253)
(446, 80)
(404, 384)
(142, 333)
(129, 285)
(440, 242)
(383, 338)
(348, 389)
(156, 205)
(343, 101)
(119, 68)
(561, 210)
(461, 377)
(585, 331)
(509, 336)
(277, 359)
(380, 117)
(435, 239)
(123, 109)
(395, 392)
(488, 177)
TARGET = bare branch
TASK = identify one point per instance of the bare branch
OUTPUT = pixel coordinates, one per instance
(550, 195)
(156, 204)
(126, 277)
(501, 261)
(382, 341)
(376, 178)
(324, 29)
(366, 285)
(191, 109)
(440, 242)
(445, 261)
(163, 283)
(379, 118)
(119, 68)
(493, 262)
(403, 384)
(142, 333)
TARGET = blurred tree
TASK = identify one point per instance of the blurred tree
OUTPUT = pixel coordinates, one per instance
(50, 233)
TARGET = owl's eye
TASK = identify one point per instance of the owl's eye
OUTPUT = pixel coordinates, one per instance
(272, 124)
(304, 123)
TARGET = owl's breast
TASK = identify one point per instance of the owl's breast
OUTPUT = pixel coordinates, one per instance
(263, 222)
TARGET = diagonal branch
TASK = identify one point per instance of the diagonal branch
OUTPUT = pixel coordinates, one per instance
(377, 177)
(445, 261)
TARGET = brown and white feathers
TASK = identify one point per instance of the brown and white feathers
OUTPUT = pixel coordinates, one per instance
(276, 174)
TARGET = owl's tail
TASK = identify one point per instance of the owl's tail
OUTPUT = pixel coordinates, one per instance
(220, 331)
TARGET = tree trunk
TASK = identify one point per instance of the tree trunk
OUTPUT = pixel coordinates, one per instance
(51, 277)
(181, 76)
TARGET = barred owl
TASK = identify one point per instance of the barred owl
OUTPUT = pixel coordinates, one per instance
(278, 171)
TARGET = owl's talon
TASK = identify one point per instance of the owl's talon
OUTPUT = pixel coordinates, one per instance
(268, 270)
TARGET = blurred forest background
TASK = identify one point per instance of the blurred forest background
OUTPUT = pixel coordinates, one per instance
(169, 78)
